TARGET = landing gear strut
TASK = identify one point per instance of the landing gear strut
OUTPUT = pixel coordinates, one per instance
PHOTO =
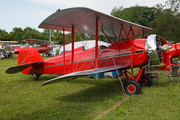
(37, 76)
(147, 82)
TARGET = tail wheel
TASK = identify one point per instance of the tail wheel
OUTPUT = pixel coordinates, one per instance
(148, 81)
(132, 87)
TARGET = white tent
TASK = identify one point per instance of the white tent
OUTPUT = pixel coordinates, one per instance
(87, 45)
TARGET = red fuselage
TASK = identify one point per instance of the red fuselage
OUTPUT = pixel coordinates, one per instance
(85, 59)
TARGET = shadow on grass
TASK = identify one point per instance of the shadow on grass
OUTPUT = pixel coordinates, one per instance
(84, 104)
(98, 92)
(40, 79)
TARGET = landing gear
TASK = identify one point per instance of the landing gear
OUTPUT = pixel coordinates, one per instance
(132, 87)
(147, 82)
(37, 76)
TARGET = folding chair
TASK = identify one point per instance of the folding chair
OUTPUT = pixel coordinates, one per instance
(154, 75)
(174, 73)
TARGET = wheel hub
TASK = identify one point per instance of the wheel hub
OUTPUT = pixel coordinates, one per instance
(131, 88)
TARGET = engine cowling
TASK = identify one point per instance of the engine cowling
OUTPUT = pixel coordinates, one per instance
(153, 48)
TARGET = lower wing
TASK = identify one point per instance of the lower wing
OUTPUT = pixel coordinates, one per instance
(75, 75)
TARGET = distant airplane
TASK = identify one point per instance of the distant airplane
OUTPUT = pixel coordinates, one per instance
(43, 47)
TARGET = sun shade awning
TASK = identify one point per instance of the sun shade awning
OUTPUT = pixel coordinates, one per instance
(84, 20)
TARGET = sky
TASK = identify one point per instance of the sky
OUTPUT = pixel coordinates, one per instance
(23, 13)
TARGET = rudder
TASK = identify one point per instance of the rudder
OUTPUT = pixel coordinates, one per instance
(29, 55)
(29, 62)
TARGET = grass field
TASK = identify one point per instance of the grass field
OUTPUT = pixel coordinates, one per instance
(21, 98)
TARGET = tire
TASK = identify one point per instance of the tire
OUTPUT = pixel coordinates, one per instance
(148, 80)
(132, 87)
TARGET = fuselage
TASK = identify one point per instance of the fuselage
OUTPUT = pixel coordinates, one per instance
(120, 53)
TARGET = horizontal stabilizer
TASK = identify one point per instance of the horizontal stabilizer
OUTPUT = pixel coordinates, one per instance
(19, 68)
(75, 75)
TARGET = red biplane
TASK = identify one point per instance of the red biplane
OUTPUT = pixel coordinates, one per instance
(43, 47)
(127, 52)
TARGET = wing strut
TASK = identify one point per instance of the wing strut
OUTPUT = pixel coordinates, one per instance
(96, 49)
(143, 33)
(126, 34)
(72, 58)
(102, 29)
(132, 61)
(119, 34)
(131, 30)
(64, 49)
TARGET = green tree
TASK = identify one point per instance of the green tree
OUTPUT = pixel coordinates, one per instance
(58, 36)
(45, 34)
(6, 37)
(77, 37)
(142, 15)
(167, 22)
(17, 33)
(3, 31)
(31, 33)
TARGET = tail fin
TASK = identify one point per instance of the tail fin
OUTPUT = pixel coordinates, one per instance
(27, 57)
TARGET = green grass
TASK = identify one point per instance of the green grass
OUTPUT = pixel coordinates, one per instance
(84, 98)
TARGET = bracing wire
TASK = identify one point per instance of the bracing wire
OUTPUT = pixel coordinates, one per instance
(115, 66)
(89, 54)
(121, 42)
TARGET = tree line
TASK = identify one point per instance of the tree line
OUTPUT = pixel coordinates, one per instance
(164, 19)
(19, 34)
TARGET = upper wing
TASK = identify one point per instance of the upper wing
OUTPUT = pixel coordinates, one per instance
(84, 20)
(74, 75)
(46, 42)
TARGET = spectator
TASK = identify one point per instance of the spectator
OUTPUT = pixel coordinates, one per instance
(10, 54)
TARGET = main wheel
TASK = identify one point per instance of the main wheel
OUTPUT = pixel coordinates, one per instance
(132, 87)
(148, 81)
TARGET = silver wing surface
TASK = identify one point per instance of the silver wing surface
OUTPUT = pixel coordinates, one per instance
(75, 75)
(84, 20)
